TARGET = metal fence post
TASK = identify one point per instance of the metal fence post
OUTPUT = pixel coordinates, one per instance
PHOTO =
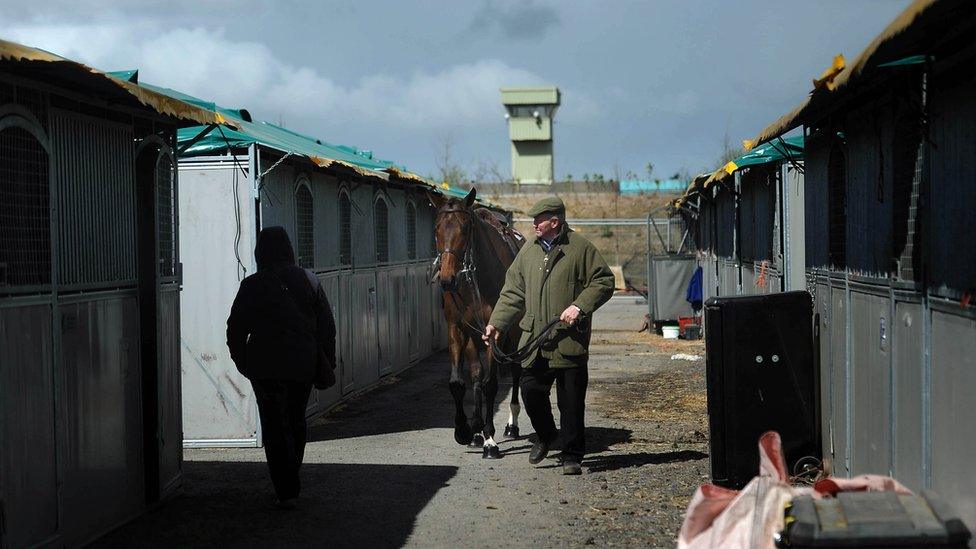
(650, 306)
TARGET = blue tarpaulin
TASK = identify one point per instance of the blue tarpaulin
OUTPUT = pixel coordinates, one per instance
(694, 294)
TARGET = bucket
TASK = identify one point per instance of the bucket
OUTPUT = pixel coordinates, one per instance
(684, 322)
(669, 332)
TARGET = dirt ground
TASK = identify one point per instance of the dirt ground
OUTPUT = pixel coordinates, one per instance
(383, 470)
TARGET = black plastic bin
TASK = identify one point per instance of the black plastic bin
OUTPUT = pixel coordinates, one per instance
(872, 519)
(761, 376)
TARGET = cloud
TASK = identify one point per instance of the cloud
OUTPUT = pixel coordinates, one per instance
(241, 73)
(516, 20)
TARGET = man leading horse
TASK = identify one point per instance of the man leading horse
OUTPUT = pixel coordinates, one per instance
(559, 275)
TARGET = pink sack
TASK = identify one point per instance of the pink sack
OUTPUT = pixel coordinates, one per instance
(719, 517)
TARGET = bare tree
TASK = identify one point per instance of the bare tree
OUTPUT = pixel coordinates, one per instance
(449, 171)
(487, 171)
(730, 150)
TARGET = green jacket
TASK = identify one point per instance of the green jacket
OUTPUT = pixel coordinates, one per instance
(542, 285)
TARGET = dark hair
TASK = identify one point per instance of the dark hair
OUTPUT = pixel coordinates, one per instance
(273, 248)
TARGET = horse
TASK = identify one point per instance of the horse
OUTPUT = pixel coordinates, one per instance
(474, 250)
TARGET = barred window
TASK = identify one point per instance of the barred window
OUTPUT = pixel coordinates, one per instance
(103, 198)
(837, 207)
(25, 218)
(345, 229)
(907, 166)
(304, 226)
(381, 219)
(411, 230)
(166, 212)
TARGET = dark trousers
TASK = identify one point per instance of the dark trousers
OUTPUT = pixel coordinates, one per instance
(571, 383)
(281, 405)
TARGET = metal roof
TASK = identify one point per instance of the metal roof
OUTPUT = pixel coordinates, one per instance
(37, 63)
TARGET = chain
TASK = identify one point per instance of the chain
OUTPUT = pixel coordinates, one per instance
(273, 166)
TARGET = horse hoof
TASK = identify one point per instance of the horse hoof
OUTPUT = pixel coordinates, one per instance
(462, 435)
(477, 441)
(511, 431)
(491, 452)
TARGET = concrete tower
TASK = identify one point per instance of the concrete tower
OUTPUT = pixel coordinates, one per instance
(530, 112)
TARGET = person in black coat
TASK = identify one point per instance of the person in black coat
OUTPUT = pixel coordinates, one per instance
(279, 323)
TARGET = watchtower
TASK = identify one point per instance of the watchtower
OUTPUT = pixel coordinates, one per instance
(530, 112)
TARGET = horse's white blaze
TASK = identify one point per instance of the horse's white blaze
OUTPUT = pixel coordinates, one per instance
(489, 442)
(513, 416)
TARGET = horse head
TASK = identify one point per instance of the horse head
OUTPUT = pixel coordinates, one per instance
(454, 234)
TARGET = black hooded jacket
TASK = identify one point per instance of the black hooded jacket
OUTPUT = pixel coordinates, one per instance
(280, 316)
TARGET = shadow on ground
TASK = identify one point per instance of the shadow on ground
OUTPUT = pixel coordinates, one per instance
(612, 462)
(598, 439)
(342, 505)
(418, 399)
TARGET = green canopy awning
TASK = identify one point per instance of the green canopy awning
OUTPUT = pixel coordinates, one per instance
(261, 133)
(788, 148)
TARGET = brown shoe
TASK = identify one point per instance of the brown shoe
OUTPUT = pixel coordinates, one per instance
(539, 452)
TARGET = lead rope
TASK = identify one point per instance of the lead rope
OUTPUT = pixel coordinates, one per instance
(519, 355)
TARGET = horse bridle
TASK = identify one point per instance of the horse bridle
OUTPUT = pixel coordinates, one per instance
(468, 268)
(467, 258)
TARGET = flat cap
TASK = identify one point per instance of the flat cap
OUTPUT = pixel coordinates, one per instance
(551, 204)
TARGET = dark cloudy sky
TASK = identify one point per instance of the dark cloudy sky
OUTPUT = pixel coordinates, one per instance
(653, 81)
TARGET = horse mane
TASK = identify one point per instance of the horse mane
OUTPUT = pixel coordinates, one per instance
(513, 238)
(499, 237)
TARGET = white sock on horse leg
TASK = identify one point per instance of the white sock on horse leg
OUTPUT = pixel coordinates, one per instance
(490, 442)
(514, 414)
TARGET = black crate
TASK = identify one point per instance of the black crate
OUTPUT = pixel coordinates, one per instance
(762, 375)
(872, 519)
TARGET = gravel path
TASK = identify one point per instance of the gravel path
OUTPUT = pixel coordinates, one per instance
(384, 471)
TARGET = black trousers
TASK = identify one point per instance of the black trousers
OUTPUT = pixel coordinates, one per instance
(571, 383)
(281, 405)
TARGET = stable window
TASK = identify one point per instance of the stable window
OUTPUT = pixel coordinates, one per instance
(304, 225)
(166, 212)
(411, 230)
(25, 212)
(837, 207)
(907, 162)
(381, 219)
(102, 199)
(345, 229)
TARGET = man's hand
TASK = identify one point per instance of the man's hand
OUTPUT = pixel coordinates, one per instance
(570, 315)
(490, 332)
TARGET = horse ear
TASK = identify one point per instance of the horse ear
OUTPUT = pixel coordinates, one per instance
(469, 200)
(436, 200)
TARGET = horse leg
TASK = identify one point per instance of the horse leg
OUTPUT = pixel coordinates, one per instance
(475, 368)
(512, 427)
(462, 433)
(490, 377)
